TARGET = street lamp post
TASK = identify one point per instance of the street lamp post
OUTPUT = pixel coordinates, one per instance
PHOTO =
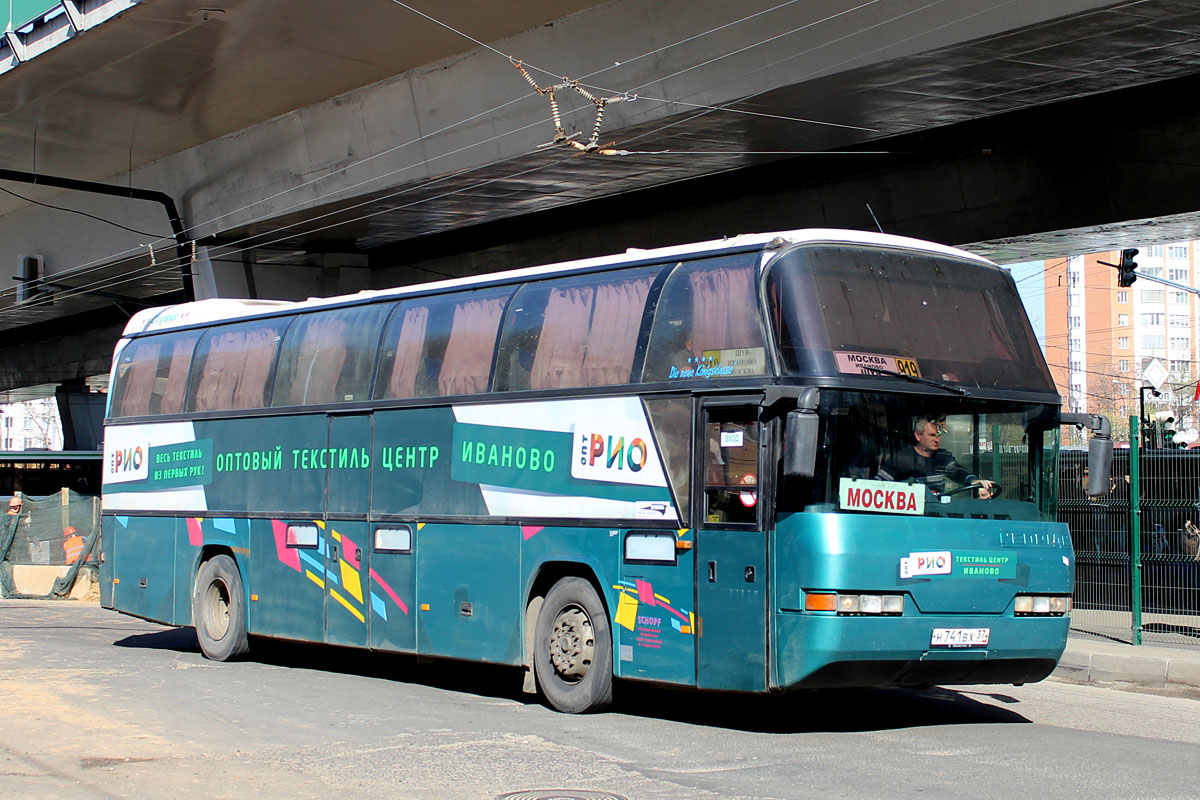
(1142, 410)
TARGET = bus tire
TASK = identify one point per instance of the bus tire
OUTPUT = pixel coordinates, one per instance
(219, 610)
(573, 649)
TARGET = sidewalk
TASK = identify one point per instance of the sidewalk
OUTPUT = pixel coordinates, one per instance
(1093, 661)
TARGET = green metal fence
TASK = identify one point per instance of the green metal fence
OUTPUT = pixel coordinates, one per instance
(1137, 548)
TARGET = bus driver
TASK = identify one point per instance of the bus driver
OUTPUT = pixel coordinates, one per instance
(930, 464)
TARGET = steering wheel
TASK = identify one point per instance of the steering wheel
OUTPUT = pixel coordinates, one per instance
(996, 489)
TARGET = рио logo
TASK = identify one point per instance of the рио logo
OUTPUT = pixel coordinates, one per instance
(126, 460)
(932, 562)
(612, 452)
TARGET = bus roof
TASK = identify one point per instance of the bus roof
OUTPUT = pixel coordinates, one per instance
(222, 309)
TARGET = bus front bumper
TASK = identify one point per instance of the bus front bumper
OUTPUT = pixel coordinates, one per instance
(824, 651)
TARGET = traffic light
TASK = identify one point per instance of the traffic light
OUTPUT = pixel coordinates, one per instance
(1125, 270)
(1168, 435)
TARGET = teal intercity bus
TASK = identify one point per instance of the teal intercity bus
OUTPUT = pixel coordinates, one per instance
(668, 465)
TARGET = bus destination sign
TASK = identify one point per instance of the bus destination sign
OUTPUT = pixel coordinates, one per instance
(872, 363)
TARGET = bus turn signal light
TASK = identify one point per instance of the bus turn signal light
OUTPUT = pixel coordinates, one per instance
(820, 602)
(855, 604)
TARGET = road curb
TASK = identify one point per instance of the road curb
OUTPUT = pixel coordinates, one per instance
(1110, 663)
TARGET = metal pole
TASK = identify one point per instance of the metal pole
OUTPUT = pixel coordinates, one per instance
(182, 254)
(1141, 414)
(1135, 531)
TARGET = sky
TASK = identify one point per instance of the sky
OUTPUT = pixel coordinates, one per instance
(1033, 295)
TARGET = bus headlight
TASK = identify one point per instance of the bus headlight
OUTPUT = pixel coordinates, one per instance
(855, 604)
(1041, 605)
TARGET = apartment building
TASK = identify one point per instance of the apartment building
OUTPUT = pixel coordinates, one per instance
(1101, 337)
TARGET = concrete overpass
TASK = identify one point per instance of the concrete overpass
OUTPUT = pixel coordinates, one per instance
(311, 151)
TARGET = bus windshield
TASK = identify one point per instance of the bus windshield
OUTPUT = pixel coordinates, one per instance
(911, 454)
(852, 309)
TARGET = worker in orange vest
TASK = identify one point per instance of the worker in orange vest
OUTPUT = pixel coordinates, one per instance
(72, 544)
(14, 506)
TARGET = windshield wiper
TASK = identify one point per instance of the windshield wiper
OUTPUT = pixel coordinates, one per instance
(914, 379)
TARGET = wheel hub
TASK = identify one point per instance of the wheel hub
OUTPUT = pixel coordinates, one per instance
(216, 605)
(572, 644)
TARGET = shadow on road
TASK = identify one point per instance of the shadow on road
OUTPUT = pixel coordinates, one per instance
(811, 711)
(822, 710)
(181, 640)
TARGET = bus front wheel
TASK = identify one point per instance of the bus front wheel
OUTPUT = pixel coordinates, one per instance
(573, 649)
(218, 609)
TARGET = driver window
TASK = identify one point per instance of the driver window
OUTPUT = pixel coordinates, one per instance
(731, 439)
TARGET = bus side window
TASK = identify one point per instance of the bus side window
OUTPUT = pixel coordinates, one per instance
(467, 359)
(731, 467)
(440, 346)
(706, 323)
(671, 421)
(572, 332)
(152, 375)
(327, 357)
(401, 369)
(233, 365)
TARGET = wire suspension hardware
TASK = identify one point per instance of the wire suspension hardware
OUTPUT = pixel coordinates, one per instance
(561, 136)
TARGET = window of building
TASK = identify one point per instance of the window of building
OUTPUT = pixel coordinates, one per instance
(1178, 365)
(1123, 342)
(1074, 322)
(1075, 344)
(1072, 279)
(1180, 275)
(1123, 365)
(1122, 297)
(1153, 319)
(1177, 251)
(1178, 297)
(1152, 296)
(1154, 251)
(1180, 342)
(1076, 366)
(1122, 320)
(1153, 341)
(1180, 320)
(1123, 389)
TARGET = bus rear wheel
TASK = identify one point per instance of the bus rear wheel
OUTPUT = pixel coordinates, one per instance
(573, 649)
(219, 610)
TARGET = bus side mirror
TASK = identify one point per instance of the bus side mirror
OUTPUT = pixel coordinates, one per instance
(1100, 453)
(800, 445)
(1100, 450)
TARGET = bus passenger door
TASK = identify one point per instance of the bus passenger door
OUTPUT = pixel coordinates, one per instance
(731, 549)
(347, 547)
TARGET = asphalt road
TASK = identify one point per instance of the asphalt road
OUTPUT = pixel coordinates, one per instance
(93, 704)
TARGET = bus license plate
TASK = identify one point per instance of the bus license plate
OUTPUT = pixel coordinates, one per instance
(960, 637)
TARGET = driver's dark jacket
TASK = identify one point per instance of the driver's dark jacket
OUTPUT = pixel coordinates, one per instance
(930, 470)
